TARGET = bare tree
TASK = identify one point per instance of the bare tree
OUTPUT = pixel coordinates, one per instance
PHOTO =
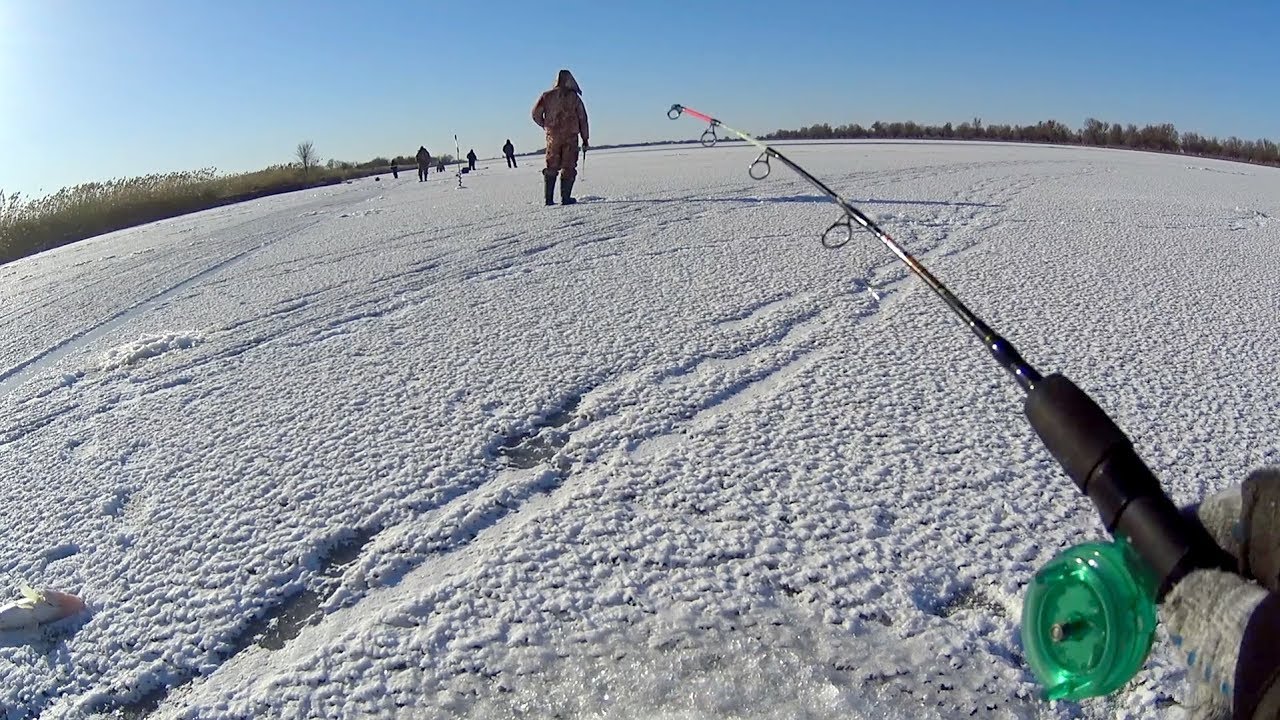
(306, 154)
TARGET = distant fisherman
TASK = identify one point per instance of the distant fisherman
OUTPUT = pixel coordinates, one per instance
(561, 113)
(510, 151)
(424, 163)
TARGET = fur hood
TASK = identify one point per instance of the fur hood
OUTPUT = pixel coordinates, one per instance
(564, 79)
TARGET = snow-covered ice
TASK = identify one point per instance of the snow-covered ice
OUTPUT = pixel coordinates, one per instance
(402, 449)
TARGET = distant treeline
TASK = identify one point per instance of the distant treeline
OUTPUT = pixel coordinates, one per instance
(381, 163)
(1163, 138)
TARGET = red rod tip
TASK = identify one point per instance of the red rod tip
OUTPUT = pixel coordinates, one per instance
(698, 115)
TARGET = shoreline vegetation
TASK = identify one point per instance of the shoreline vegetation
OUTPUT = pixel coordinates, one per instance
(87, 210)
(90, 209)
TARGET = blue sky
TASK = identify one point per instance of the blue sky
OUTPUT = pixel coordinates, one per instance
(91, 90)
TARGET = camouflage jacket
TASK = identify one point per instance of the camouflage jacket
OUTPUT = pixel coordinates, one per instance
(560, 110)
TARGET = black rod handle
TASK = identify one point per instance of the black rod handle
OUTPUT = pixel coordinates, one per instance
(1100, 459)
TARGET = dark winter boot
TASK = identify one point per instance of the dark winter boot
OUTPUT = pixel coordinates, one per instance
(566, 190)
(550, 181)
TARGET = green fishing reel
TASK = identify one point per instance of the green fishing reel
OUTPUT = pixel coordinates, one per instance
(1089, 619)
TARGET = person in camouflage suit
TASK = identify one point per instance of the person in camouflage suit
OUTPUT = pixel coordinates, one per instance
(561, 113)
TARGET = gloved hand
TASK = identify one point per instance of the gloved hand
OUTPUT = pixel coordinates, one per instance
(1227, 625)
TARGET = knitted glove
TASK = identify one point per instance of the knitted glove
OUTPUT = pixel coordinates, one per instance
(1210, 614)
(1207, 614)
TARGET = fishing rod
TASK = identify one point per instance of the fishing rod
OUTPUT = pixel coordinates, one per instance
(1089, 617)
(1003, 351)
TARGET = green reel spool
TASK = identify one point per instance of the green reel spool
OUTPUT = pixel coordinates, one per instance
(1088, 620)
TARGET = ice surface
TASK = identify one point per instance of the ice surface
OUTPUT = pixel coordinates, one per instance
(403, 449)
